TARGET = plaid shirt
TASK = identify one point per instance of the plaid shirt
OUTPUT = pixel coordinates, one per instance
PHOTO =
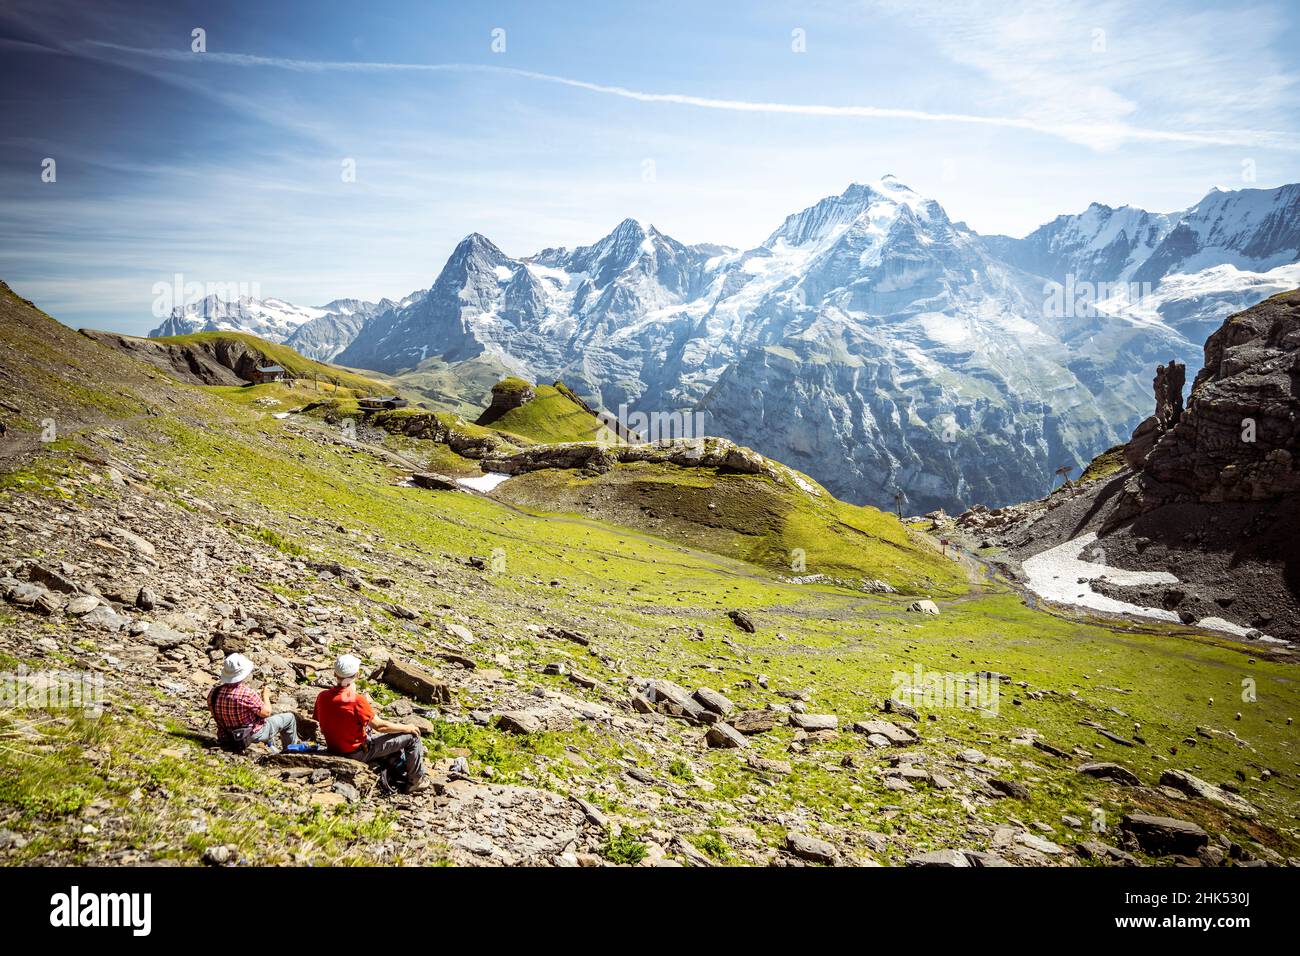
(235, 707)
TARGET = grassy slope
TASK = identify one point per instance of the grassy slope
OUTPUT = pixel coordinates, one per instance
(642, 601)
(550, 417)
(749, 517)
(287, 358)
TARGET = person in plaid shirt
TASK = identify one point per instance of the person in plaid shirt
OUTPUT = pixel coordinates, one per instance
(242, 716)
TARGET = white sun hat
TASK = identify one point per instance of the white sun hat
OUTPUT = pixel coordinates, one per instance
(236, 667)
(347, 666)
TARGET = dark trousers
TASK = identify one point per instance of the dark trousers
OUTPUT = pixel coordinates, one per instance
(378, 748)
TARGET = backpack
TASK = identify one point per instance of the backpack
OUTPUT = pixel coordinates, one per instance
(394, 776)
(236, 741)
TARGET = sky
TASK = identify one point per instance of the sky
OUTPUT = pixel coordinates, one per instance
(318, 150)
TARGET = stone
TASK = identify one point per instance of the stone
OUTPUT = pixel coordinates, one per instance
(221, 855)
(574, 636)
(811, 849)
(971, 755)
(343, 768)
(82, 604)
(434, 481)
(891, 732)
(751, 722)
(106, 618)
(1161, 836)
(346, 791)
(673, 700)
(1009, 788)
(768, 765)
(1112, 772)
(595, 816)
(939, 858)
(814, 721)
(53, 580)
(923, 607)
(134, 541)
(892, 705)
(519, 722)
(983, 858)
(1096, 850)
(1034, 842)
(724, 735)
(712, 700)
(742, 621)
(1196, 787)
(461, 632)
(415, 682)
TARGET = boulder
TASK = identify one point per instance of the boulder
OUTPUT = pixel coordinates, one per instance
(1184, 782)
(712, 700)
(725, 736)
(519, 722)
(939, 858)
(813, 722)
(415, 682)
(434, 481)
(672, 699)
(1161, 836)
(1112, 772)
(1009, 788)
(811, 849)
(742, 621)
(923, 607)
(756, 721)
(768, 765)
(892, 733)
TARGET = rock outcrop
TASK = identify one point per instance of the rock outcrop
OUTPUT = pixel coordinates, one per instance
(597, 457)
(1168, 386)
(226, 361)
(507, 395)
(1240, 435)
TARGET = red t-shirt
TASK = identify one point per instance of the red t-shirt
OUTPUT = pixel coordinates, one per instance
(343, 715)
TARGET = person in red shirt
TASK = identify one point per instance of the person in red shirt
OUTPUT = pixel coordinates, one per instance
(351, 729)
(242, 716)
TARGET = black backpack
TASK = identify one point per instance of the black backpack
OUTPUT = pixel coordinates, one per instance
(393, 775)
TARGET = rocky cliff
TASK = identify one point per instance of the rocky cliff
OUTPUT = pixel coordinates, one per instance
(1240, 435)
(1205, 497)
(216, 362)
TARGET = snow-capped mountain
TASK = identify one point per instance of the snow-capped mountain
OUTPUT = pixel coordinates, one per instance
(1253, 229)
(272, 319)
(325, 336)
(869, 340)
(318, 332)
(1101, 244)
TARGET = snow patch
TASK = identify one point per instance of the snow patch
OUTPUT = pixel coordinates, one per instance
(483, 483)
(1055, 575)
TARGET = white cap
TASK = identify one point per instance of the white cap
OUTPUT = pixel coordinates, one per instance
(236, 667)
(346, 666)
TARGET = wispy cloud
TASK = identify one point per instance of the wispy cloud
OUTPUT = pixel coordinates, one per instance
(1095, 128)
(1103, 67)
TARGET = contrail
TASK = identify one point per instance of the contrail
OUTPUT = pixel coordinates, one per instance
(1090, 134)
